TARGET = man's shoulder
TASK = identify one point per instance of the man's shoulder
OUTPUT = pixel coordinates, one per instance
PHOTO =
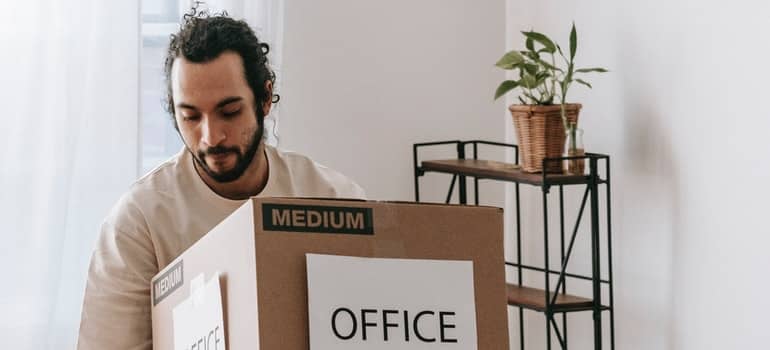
(156, 186)
(307, 172)
(295, 159)
(161, 176)
(165, 181)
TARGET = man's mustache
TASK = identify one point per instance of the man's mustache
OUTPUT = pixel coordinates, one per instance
(218, 150)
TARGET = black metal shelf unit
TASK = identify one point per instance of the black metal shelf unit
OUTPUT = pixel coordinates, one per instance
(550, 300)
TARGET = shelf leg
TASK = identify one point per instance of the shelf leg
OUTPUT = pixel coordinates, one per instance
(416, 174)
(521, 328)
(451, 189)
(563, 259)
(463, 190)
(462, 185)
(595, 255)
(548, 305)
(519, 260)
(609, 254)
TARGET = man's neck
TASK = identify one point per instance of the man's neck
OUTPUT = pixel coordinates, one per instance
(251, 182)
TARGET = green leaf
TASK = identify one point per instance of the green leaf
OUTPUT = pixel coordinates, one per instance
(548, 65)
(588, 70)
(542, 39)
(530, 45)
(572, 42)
(528, 81)
(531, 55)
(504, 87)
(510, 60)
(530, 68)
(584, 83)
(560, 53)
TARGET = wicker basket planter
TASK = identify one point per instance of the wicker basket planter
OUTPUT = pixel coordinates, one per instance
(540, 133)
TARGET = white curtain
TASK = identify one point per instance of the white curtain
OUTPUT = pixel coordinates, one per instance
(69, 93)
(68, 133)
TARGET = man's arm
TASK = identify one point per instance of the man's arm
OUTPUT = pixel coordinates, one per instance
(116, 306)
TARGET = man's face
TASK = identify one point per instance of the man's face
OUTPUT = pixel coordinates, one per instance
(215, 114)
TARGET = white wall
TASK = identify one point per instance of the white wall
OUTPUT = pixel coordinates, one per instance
(682, 115)
(364, 80)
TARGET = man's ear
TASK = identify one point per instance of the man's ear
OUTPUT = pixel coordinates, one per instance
(269, 101)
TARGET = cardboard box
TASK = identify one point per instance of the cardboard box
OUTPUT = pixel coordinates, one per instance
(259, 253)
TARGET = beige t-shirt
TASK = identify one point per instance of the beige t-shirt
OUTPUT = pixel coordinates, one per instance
(163, 214)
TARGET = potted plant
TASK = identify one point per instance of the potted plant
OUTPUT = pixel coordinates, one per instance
(544, 118)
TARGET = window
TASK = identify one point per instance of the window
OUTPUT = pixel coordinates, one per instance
(159, 139)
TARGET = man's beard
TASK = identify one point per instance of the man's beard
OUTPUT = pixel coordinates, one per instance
(242, 161)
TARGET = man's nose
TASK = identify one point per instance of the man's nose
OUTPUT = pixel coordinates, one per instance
(212, 132)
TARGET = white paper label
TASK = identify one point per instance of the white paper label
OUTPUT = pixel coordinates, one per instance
(198, 322)
(405, 304)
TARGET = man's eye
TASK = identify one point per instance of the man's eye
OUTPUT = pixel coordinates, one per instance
(190, 118)
(231, 113)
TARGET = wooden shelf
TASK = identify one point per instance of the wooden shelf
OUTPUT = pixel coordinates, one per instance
(532, 298)
(547, 302)
(490, 169)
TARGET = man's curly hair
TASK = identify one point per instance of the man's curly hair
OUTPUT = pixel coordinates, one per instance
(203, 37)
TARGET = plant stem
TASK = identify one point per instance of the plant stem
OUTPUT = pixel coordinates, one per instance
(553, 81)
(563, 102)
(563, 114)
(564, 87)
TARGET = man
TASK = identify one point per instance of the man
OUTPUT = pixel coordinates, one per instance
(220, 89)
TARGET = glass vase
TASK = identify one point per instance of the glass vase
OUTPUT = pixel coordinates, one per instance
(574, 148)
